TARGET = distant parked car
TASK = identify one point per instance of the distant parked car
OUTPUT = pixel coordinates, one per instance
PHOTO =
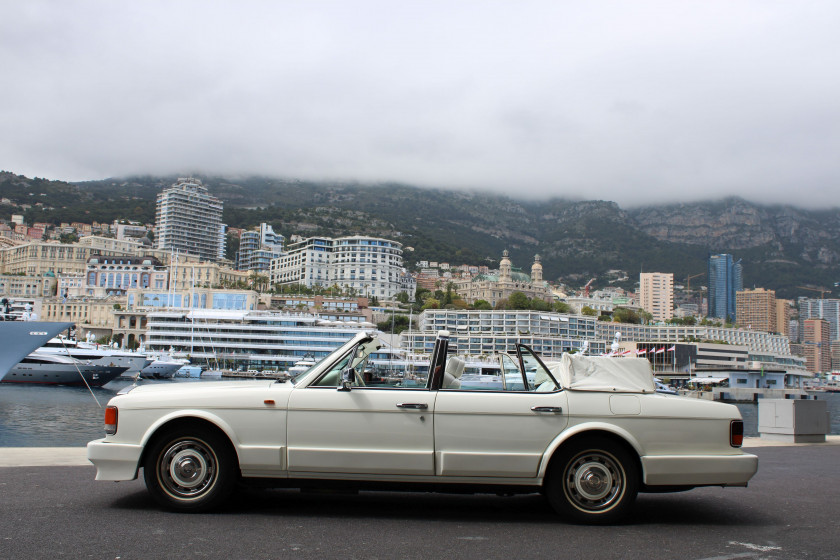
(589, 433)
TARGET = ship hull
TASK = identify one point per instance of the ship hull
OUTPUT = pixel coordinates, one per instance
(20, 338)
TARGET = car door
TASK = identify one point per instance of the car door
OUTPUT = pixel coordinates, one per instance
(375, 426)
(500, 433)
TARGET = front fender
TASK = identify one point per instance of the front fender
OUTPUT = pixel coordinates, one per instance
(578, 429)
(191, 413)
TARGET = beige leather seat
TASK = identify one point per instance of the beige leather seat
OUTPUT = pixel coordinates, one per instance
(452, 373)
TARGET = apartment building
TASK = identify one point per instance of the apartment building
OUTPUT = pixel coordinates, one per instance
(188, 219)
(816, 340)
(828, 309)
(371, 266)
(656, 294)
(756, 309)
(257, 249)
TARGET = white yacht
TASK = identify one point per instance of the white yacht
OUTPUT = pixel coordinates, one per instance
(164, 365)
(96, 354)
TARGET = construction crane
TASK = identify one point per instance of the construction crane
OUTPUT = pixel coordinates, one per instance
(586, 288)
(688, 280)
(820, 290)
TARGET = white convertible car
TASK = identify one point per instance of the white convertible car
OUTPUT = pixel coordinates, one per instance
(589, 433)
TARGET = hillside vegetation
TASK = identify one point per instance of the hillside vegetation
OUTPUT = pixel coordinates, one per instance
(782, 247)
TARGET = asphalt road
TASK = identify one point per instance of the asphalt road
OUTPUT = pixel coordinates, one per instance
(791, 510)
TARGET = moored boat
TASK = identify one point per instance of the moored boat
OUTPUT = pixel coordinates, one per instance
(19, 338)
(163, 366)
(54, 369)
(96, 354)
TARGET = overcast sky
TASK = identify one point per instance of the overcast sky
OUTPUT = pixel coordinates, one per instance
(633, 101)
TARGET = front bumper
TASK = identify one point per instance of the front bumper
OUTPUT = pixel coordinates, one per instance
(114, 461)
(699, 470)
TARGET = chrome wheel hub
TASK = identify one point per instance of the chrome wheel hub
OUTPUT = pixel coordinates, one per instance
(594, 481)
(187, 469)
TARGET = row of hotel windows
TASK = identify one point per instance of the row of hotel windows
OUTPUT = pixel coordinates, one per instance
(231, 302)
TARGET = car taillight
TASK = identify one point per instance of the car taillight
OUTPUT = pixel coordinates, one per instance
(111, 420)
(736, 433)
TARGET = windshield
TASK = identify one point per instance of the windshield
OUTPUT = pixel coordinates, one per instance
(310, 372)
(295, 375)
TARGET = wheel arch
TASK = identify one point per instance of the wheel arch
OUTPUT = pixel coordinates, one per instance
(584, 431)
(188, 418)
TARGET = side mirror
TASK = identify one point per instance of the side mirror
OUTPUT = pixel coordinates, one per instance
(346, 379)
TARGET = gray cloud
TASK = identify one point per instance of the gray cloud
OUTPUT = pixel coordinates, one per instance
(635, 102)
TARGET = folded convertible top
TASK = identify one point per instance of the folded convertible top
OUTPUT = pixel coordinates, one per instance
(594, 373)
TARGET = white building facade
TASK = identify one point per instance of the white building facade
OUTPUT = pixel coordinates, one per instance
(371, 266)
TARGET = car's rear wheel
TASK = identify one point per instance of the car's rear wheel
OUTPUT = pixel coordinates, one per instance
(190, 469)
(592, 481)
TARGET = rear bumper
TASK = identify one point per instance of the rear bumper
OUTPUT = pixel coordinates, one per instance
(114, 461)
(699, 470)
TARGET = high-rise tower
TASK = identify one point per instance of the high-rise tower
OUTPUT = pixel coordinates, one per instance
(189, 219)
(725, 279)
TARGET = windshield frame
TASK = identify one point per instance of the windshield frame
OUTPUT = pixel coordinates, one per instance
(309, 376)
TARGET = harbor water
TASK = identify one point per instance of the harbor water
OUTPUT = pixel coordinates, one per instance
(57, 416)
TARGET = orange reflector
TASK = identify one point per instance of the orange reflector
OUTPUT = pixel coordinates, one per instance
(736, 433)
(111, 420)
(269, 401)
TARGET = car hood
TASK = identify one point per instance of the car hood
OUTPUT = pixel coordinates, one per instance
(195, 388)
(201, 395)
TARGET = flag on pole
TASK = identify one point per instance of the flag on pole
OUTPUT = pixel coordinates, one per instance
(641, 352)
(660, 350)
(672, 348)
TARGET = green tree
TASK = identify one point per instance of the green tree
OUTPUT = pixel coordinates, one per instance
(562, 307)
(588, 311)
(482, 305)
(431, 303)
(448, 297)
(231, 246)
(519, 300)
(400, 323)
(624, 315)
(540, 305)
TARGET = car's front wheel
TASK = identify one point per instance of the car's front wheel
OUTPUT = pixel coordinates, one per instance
(592, 481)
(190, 469)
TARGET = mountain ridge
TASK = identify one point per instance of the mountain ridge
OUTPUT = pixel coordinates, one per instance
(782, 246)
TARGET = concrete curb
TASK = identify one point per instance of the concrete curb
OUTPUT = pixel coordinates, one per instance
(77, 456)
(43, 457)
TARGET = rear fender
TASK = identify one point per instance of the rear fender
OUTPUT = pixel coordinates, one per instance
(579, 429)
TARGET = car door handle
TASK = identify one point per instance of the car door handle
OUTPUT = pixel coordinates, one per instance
(546, 409)
(417, 406)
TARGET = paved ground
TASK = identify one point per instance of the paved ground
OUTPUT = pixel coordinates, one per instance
(790, 511)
